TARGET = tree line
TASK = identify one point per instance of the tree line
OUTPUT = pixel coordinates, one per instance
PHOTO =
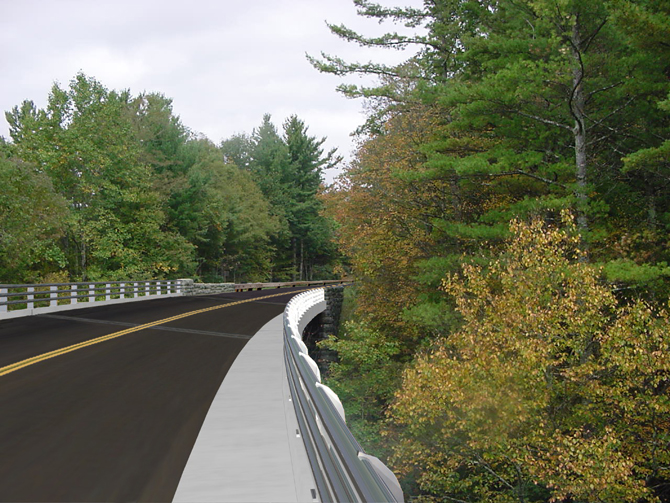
(105, 185)
(506, 217)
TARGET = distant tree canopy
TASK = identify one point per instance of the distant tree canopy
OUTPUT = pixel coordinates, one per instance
(287, 169)
(103, 185)
(510, 110)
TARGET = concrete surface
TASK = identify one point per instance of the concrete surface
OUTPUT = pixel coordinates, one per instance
(248, 450)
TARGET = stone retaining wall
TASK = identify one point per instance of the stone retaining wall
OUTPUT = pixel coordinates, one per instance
(189, 287)
(332, 314)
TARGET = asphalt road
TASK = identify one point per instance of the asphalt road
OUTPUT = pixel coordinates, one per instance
(116, 420)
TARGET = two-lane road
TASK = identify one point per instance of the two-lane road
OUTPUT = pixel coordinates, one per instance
(115, 419)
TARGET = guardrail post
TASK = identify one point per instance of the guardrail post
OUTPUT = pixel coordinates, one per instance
(147, 290)
(136, 290)
(53, 296)
(158, 287)
(75, 292)
(91, 293)
(108, 291)
(30, 297)
(5, 297)
(122, 291)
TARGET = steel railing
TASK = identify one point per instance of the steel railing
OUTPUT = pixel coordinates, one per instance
(30, 299)
(22, 300)
(342, 470)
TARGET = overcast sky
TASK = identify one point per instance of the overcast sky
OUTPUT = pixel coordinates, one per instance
(224, 63)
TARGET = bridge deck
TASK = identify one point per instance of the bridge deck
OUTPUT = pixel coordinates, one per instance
(117, 420)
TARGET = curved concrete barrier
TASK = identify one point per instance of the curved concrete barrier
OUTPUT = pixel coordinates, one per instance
(342, 470)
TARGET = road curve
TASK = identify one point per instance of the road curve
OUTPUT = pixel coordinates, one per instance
(116, 420)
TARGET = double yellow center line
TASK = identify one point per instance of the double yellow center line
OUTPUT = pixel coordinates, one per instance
(52, 354)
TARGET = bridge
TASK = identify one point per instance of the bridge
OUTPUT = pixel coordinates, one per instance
(149, 391)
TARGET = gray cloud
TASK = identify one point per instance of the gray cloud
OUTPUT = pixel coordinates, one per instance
(223, 63)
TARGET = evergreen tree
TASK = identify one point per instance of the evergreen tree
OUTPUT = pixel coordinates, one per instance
(288, 170)
(309, 231)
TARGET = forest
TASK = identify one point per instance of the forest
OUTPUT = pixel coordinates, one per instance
(104, 185)
(506, 220)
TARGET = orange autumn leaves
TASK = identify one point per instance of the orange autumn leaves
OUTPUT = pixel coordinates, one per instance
(384, 221)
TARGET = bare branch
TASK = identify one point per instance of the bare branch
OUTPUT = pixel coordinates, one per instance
(541, 119)
(602, 89)
(488, 468)
(516, 172)
(540, 178)
(598, 123)
(594, 34)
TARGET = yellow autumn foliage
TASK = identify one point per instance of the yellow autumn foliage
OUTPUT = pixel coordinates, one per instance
(550, 391)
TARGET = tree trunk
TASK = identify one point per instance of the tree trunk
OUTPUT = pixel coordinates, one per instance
(456, 198)
(83, 260)
(652, 216)
(579, 130)
(295, 259)
(302, 259)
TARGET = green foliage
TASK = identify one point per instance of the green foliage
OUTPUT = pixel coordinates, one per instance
(32, 218)
(228, 219)
(84, 142)
(120, 189)
(237, 150)
(364, 377)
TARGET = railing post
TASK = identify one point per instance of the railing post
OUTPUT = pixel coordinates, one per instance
(158, 287)
(108, 291)
(136, 290)
(5, 298)
(53, 296)
(147, 290)
(30, 297)
(122, 291)
(75, 292)
(91, 293)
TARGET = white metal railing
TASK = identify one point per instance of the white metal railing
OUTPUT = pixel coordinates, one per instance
(26, 300)
(342, 470)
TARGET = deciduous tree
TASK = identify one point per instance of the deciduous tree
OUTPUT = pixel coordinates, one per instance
(550, 390)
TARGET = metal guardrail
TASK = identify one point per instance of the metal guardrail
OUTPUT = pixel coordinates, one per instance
(342, 470)
(41, 298)
(30, 299)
